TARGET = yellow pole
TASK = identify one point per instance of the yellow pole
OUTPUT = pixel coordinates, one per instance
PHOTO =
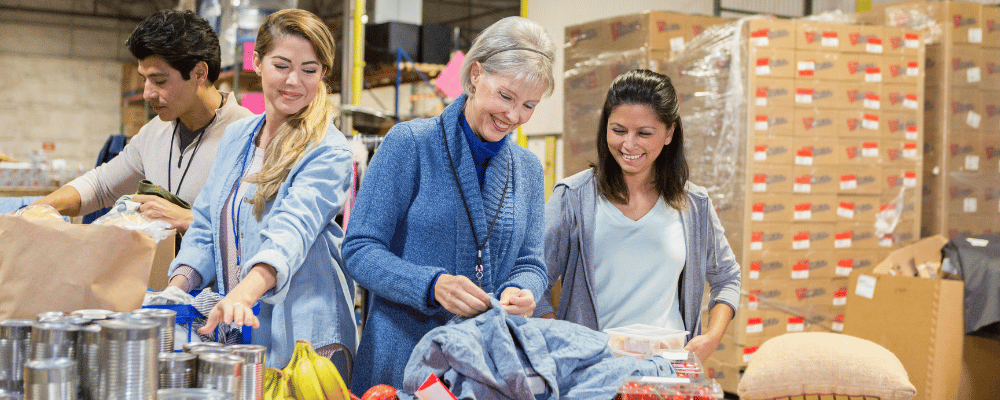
(359, 52)
(522, 139)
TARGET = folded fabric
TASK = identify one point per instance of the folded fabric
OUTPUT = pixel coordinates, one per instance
(500, 356)
(172, 295)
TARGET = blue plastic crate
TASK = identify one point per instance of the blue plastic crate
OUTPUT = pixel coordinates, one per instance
(186, 313)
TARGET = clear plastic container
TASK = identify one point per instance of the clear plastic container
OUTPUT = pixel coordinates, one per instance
(644, 340)
(656, 388)
(685, 364)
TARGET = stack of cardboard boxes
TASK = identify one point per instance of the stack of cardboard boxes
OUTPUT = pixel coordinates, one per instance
(597, 52)
(813, 158)
(962, 167)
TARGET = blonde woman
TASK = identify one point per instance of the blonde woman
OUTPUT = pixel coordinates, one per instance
(264, 224)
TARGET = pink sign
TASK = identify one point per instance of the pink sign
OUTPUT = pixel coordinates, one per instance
(253, 102)
(248, 48)
(448, 82)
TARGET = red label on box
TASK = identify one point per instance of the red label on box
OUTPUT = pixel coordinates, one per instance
(760, 149)
(910, 174)
(846, 263)
(830, 35)
(804, 180)
(758, 207)
(910, 146)
(802, 265)
(750, 350)
(760, 178)
(757, 237)
(847, 205)
(761, 118)
(805, 152)
(762, 92)
(803, 235)
(755, 321)
(763, 62)
(760, 33)
(755, 266)
(870, 145)
(912, 36)
(843, 235)
(795, 320)
(852, 152)
(803, 207)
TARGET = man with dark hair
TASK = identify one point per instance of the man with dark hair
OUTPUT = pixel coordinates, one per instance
(179, 59)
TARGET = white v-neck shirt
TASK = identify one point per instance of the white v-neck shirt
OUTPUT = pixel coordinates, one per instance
(638, 266)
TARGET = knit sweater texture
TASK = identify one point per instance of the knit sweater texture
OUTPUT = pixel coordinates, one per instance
(409, 225)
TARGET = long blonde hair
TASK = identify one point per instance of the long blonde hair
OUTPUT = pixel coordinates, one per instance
(293, 138)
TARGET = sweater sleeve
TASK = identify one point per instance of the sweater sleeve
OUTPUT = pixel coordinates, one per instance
(389, 186)
(722, 272)
(528, 271)
(557, 245)
(102, 186)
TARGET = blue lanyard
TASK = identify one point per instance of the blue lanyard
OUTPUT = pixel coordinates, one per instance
(234, 209)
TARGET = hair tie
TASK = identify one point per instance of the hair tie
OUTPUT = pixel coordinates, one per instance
(494, 52)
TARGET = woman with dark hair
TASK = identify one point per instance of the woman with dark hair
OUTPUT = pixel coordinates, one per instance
(634, 222)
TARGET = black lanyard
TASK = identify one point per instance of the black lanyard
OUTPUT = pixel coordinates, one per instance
(479, 246)
(180, 158)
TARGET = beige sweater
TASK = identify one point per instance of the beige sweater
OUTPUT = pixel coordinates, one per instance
(145, 157)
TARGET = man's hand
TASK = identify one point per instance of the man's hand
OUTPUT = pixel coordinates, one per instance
(159, 209)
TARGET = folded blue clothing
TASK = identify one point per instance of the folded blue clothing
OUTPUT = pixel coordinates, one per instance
(500, 356)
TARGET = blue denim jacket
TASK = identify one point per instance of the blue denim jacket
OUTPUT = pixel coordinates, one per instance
(312, 299)
(499, 356)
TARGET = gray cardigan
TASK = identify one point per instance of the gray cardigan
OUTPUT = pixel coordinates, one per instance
(569, 245)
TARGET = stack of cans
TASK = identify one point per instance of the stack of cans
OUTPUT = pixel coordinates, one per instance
(51, 379)
(166, 319)
(15, 344)
(53, 340)
(223, 372)
(254, 357)
(178, 370)
(128, 360)
(192, 394)
(90, 360)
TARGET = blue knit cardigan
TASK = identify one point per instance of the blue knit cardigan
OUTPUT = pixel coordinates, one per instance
(409, 225)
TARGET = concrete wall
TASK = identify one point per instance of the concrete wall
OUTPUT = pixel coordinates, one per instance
(60, 81)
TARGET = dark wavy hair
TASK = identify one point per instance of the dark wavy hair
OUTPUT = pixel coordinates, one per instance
(670, 169)
(181, 38)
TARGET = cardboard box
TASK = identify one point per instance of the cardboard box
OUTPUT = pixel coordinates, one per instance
(991, 26)
(847, 261)
(164, 254)
(796, 295)
(772, 62)
(990, 125)
(770, 208)
(811, 265)
(812, 208)
(817, 151)
(726, 375)
(966, 109)
(903, 69)
(962, 22)
(771, 179)
(859, 124)
(859, 151)
(901, 126)
(773, 33)
(815, 179)
(991, 152)
(966, 65)
(853, 94)
(813, 122)
(770, 237)
(731, 352)
(822, 94)
(864, 39)
(895, 178)
(991, 69)
(900, 97)
(773, 150)
(822, 36)
(773, 121)
(857, 208)
(856, 236)
(857, 180)
(860, 67)
(901, 41)
(964, 152)
(766, 265)
(818, 64)
(901, 153)
(927, 334)
(980, 356)
(773, 92)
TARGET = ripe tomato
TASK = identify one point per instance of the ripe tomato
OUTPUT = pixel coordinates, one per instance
(380, 392)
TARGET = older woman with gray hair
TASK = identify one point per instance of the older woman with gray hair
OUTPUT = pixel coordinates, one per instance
(451, 212)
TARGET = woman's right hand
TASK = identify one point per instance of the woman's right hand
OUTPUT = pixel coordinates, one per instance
(459, 295)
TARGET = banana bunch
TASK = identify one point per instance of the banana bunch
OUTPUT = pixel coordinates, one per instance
(276, 384)
(308, 376)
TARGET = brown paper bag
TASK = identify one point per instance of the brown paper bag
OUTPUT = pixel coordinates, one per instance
(48, 265)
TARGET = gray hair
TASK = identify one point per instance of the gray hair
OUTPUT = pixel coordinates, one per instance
(514, 47)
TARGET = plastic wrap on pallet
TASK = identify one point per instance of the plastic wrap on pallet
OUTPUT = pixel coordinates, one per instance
(585, 88)
(711, 90)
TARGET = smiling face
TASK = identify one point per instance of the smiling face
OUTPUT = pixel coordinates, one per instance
(636, 136)
(499, 104)
(166, 91)
(290, 73)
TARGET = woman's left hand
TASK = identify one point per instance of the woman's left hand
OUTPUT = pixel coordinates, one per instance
(702, 346)
(230, 311)
(518, 301)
